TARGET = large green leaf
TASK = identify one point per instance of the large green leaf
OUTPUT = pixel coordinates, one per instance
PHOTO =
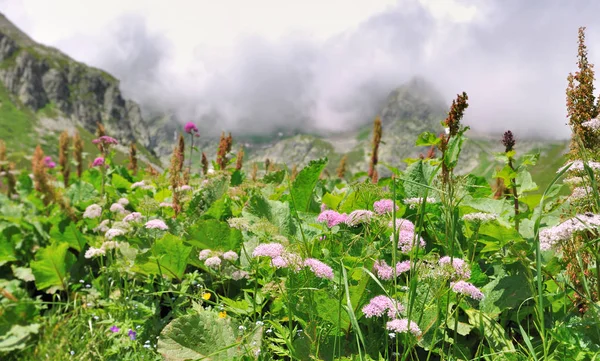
(305, 182)
(416, 178)
(120, 182)
(7, 251)
(202, 335)
(16, 338)
(276, 212)
(169, 255)
(214, 234)
(69, 234)
(81, 193)
(51, 266)
(505, 292)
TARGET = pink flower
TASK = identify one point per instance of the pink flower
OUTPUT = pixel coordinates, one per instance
(98, 162)
(133, 217)
(190, 127)
(402, 267)
(468, 289)
(379, 305)
(332, 218)
(49, 163)
(384, 272)
(403, 325)
(105, 139)
(457, 268)
(359, 216)
(407, 239)
(230, 256)
(156, 224)
(213, 262)
(268, 250)
(384, 206)
(319, 268)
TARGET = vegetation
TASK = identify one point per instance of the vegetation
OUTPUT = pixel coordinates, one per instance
(427, 264)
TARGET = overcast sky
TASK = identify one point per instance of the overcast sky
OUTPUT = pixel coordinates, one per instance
(256, 65)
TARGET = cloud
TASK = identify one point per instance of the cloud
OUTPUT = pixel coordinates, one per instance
(256, 69)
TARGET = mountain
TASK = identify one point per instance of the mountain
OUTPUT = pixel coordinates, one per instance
(43, 91)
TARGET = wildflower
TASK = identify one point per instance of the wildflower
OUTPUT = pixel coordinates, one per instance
(113, 232)
(384, 272)
(49, 163)
(184, 188)
(230, 256)
(156, 223)
(105, 139)
(190, 127)
(260, 323)
(574, 180)
(379, 305)
(319, 268)
(403, 326)
(359, 216)
(243, 224)
(402, 267)
(467, 288)
(92, 211)
(103, 226)
(508, 141)
(206, 296)
(132, 334)
(123, 201)
(479, 217)
(332, 218)
(407, 238)
(139, 184)
(413, 203)
(577, 165)
(384, 206)
(99, 161)
(287, 259)
(133, 217)
(580, 193)
(117, 208)
(459, 268)
(268, 249)
(114, 329)
(165, 205)
(223, 314)
(593, 124)
(204, 254)
(94, 252)
(238, 275)
(564, 231)
(213, 262)
(110, 244)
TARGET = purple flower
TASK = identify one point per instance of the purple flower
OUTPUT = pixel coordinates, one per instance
(468, 289)
(268, 249)
(190, 127)
(403, 325)
(380, 304)
(384, 272)
(49, 163)
(114, 329)
(332, 218)
(105, 139)
(319, 268)
(384, 206)
(402, 267)
(455, 268)
(132, 334)
(98, 162)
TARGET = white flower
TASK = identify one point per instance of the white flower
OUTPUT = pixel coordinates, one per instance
(138, 185)
(213, 262)
(117, 208)
(211, 171)
(230, 256)
(133, 217)
(103, 226)
(94, 252)
(204, 254)
(109, 245)
(184, 188)
(166, 205)
(123, 201)
(479, 217)
(113, 232)
(414, 202)
(578, 166)
(551, 236)
(580, 193)
(92, 211)
(593, 124)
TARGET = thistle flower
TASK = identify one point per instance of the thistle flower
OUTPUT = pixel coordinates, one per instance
(156, 224)
(403, 326)
(230, 256)
(92, 211)
(319, 268)
(332, 218)
(384, 206)
(49, 163)
(467, 289)
(190, 127)
(212, 262)
(63, 157)
(359, 216)
(98, 162)
(133, 217)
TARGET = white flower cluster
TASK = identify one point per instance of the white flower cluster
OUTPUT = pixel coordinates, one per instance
(593, 124)
(95, 252)
(551, 236)
(578, 166)
(414, 202)
(573, 180)
(580, 193)
(92, 211)
(479, 217)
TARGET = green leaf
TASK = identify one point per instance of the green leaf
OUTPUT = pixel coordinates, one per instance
(17, 337)
(214, 234)
(304, 184)
(332, 201)
(416, 178)
(170, 257)
(120, 183)
(7, 251)
(25, 183)
(505, 292)
(81, 193)
(507, 174)
(202, 335)
(525, 182)
(274, 177)
(220, 210)
(454, 148)
(51, 266)
(69, 234)
(427, 139)
(276, 212)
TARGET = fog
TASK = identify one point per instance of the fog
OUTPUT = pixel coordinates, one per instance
(326, 66)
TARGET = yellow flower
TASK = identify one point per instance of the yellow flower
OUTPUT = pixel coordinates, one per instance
(222, 314)
(206, 296)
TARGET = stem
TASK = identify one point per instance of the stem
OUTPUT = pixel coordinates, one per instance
(515, 196)
(190, 157)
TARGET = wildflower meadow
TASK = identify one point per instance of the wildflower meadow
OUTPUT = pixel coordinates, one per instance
(107, 260)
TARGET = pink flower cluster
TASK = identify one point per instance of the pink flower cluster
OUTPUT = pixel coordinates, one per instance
(133, 217)
(455, 268)
(190, 127)
(359, 216)
(105, 139)
(407, 239)
(386, 272)
(380, 305)
(384, 206)
(319, 268)
(332, 218)
(468, 289)
(551, 236)
(99, 161)
(49, 163)
(268, 250)
(156, 224)
(402, 326)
